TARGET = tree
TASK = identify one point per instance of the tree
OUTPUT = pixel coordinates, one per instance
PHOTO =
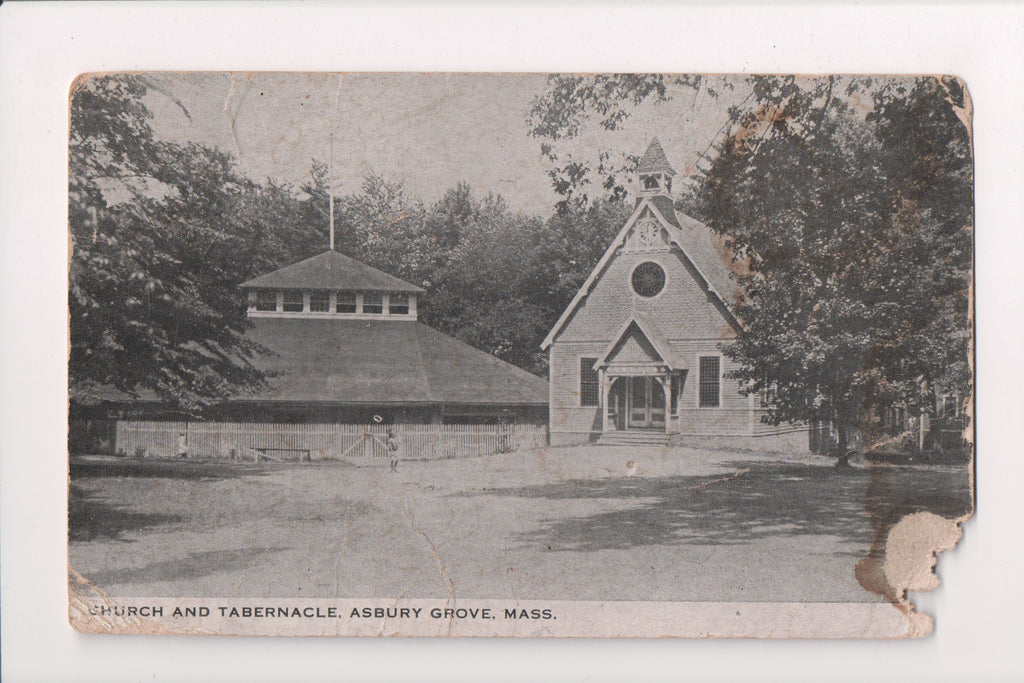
(382, 225)
(511, 276)
(574, 240)
(574, 104)
(856, 230)
(161, 236)
(488, 291)
(849, 199)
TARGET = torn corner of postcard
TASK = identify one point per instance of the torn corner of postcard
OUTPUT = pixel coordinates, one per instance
(452, 355)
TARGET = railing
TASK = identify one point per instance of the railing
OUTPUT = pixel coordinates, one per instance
(322, 441)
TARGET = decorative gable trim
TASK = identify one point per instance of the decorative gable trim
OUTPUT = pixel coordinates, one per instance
(591, 280)
(616, 245)
(649, 331)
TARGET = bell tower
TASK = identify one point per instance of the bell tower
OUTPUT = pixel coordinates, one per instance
(654, 173)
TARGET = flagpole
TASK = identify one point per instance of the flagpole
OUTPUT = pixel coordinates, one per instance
(330, 187)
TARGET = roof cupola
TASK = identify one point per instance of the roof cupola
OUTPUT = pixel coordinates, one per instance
(654, 173)
(331, 285)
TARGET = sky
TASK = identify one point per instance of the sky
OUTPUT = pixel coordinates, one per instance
(429, 131)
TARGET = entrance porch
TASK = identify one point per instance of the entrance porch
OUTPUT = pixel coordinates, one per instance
(639, 382)
(637, 409)
(637, 402)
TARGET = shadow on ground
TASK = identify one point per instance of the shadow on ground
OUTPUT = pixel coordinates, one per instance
(758, 501)
(165, 469)
(192, 566)
(90, 518)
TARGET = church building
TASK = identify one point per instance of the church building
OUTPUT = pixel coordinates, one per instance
(636, 357)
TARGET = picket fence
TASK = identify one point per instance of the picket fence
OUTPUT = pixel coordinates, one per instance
(251, 441)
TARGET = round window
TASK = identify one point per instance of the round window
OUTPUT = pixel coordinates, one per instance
(648, 279)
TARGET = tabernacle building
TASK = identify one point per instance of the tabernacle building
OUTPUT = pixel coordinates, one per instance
(346, 346)
(345, 359)
(636, 357)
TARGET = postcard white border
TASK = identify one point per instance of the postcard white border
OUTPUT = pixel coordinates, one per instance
(43, 46)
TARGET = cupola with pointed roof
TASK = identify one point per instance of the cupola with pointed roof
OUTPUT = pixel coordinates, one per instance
(654, 172)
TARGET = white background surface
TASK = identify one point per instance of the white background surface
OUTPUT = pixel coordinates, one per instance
(979, 623)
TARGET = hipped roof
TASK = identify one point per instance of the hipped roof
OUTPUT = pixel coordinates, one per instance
(370, 362)
(341, 361)
(331, 270)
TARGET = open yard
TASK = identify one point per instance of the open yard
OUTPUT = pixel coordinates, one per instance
(584, 523)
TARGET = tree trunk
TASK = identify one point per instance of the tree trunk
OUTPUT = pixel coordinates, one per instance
(843, 450)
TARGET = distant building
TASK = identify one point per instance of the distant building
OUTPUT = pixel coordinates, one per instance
(636, 357)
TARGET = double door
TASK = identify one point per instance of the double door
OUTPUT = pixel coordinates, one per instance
(645, 398)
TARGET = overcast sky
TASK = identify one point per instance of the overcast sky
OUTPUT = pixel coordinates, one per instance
(428, 130)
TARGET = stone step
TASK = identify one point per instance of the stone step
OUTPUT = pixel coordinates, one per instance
(633, 438)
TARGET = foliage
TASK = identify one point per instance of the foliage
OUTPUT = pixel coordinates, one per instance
(573, 104)
(496, 279)
(856, 230)
(162, 234)
(506, 284)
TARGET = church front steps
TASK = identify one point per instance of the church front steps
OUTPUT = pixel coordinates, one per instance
(633, 438)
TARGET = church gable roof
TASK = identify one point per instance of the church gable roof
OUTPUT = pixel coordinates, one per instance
(331, 270)
(705, 251)
(708, 257)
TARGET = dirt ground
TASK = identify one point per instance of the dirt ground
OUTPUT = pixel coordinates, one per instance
(583, 523)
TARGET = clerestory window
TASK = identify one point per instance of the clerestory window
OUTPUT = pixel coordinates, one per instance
(373, 302)
(320, 301)
(346, 302)
(266, 300)
(293, 301)
(398, 303)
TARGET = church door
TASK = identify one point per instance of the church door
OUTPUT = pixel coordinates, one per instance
(646, 402)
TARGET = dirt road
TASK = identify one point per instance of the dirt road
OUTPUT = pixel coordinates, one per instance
(574, 523)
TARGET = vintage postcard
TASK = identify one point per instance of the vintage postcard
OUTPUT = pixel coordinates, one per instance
(442, 354)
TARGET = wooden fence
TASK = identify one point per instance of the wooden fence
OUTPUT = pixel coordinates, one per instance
(321, 441)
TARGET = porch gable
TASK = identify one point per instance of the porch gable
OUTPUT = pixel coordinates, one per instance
(637, 349)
